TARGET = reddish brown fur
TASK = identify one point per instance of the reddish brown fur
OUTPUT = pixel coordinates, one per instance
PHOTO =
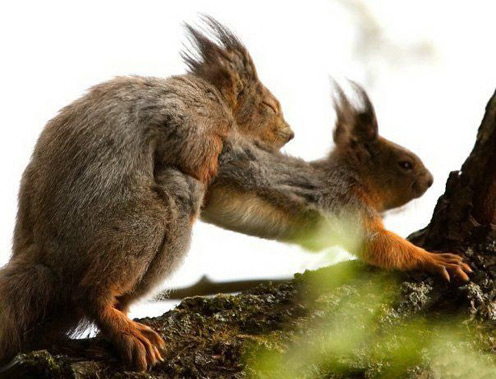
(204, 170)
(386, 249)
(229, 66)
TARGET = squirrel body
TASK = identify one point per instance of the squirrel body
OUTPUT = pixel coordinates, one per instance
(108, 200)
(338, 200)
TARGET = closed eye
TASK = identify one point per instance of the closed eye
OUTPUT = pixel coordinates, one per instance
(270, 106)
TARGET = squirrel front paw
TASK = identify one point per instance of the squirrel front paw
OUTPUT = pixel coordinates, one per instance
(447, 265)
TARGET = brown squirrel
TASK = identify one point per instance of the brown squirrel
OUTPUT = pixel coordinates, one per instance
(115, 182)
(334, 201)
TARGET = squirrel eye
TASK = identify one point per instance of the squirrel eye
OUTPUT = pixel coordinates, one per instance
(270, 107)
(405, 165)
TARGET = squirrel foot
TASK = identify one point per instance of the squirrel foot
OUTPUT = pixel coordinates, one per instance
(152, 336)
(447, 265)
(138, 344)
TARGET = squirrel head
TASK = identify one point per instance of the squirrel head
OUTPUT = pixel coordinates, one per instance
(390, 174)
(225, 63)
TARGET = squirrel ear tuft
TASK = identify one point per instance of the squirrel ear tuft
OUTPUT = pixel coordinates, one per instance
(366, 120)
(221, 59)
(352, 124)
(344, 115)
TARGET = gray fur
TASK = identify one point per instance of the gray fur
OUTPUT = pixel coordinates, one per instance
(106, 204)
(306, 191)
(116, 180)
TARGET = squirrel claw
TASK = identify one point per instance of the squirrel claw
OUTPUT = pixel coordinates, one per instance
(448, 266)
(445, 274)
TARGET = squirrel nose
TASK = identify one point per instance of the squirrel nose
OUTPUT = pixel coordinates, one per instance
(430, 180)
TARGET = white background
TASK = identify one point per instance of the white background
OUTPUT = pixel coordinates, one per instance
(429, 67)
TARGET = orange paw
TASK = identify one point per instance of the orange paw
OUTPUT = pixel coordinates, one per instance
(447, 265)
(140, 346)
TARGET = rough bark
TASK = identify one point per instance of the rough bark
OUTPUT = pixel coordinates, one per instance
(348, 320)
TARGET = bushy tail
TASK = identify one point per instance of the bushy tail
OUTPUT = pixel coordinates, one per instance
(27, 293)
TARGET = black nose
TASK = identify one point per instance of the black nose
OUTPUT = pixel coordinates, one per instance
(290, 136)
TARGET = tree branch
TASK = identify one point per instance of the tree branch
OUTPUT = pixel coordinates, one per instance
(206, 287)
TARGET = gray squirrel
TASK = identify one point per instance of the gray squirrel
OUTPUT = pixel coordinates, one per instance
(115, 182)
(337, 200)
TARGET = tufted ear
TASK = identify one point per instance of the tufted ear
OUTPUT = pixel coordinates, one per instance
(222, 60)
(353, 125)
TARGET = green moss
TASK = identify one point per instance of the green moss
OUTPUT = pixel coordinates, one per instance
(348, 320)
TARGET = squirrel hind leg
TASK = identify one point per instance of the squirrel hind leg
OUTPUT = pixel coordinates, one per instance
(135, 343)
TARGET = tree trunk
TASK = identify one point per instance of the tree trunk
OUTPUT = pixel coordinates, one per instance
(348, 320)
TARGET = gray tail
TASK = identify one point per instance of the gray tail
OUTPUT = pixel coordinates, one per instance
(27, 292)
